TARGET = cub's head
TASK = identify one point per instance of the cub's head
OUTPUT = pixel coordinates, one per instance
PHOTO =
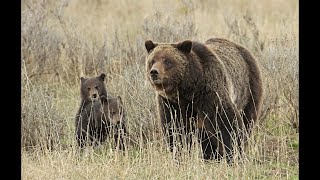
(113, 109)
(166, 65)
(93, 88)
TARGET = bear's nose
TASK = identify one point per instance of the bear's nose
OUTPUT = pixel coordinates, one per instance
(94, 95)
(154, 72)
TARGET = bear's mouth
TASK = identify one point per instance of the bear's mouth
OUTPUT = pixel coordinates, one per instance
(163, 85)
(157, 81)
(94, 99)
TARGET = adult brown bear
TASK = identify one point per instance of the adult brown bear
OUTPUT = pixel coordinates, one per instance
(213, 87)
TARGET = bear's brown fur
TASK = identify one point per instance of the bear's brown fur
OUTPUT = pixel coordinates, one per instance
(93, 88)
(98, 113)
(216, 86)
(111, 110)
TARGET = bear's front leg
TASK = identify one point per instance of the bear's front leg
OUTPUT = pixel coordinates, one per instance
(169, 115)
(80, 132)
(119, 137)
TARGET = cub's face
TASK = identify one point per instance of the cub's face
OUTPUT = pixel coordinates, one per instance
(166, 64)
(113, 109)
(92, 88)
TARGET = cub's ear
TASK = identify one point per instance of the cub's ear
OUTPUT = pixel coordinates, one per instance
(82, 79)
(185, 46)
(104, 98)
(119, 99)
(149, 45)
(102, 77)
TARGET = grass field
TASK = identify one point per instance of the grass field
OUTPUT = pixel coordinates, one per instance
(65, 39)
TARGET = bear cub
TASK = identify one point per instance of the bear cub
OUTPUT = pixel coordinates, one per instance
(111, 110)
(100, 115)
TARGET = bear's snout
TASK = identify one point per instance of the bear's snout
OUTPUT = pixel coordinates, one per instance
(94, 96)
(154, 73)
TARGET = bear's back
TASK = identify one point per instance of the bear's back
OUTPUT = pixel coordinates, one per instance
(236, 69)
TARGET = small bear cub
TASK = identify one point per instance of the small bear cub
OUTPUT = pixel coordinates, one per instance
(100, 115)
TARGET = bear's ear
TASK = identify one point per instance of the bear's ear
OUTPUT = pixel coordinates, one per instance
(102, 77)
(82, 79)
(104, 98)
(119, 99)
(185, 46)
(149, 45)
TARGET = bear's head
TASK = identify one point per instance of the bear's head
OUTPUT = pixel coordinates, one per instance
(113, 109)
(93, 88)
(167, 64)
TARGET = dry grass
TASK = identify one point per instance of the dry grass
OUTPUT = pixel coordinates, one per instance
(66, 39)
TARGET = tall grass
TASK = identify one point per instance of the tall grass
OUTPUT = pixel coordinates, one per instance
(66, 39)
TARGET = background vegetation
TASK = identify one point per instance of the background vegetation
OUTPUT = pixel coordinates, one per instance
(65, 39)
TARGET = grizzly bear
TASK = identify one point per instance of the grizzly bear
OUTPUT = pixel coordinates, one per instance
(213, 88)
(98, 114)
(111, 110)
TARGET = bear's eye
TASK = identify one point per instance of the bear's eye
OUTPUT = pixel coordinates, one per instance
(96, 87)
(167, 62)
(88, 89)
